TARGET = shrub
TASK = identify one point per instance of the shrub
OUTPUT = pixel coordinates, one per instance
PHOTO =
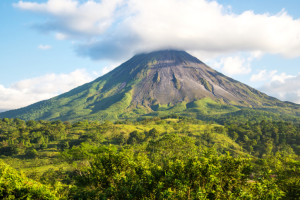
(31, 153)
(14, 185)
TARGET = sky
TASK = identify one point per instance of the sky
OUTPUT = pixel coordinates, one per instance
(49, 47)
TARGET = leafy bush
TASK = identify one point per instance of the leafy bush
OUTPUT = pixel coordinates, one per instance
(14, 185)
(31, 153)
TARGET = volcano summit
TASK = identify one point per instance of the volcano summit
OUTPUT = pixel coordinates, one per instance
(154, 84)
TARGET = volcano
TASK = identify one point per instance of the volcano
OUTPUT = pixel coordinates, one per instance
(154, 84)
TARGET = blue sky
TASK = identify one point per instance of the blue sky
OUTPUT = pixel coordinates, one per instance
(21, 58)
(50, 46)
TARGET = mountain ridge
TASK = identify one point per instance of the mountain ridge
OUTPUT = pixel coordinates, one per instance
(156, 83)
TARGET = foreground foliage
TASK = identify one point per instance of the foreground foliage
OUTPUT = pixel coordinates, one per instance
(206, 175)
(15, 185)
(170, 158)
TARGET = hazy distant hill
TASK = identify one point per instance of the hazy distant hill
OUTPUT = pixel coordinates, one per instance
(154, 84)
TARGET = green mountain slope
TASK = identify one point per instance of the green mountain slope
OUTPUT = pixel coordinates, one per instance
(154, 84)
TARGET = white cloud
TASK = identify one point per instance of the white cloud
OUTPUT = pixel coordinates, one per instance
(235, 65)
(239, 63)
(28, 91)
(70, 16)
(60, 36)
(44, 47)
(124, 27)
(283, 86)
(262, 75)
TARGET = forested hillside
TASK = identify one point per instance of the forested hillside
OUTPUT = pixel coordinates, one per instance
(172, 157)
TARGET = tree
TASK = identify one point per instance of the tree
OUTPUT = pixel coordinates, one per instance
(63, 145)
(234, 136)
(31, 153)
(44, 146)
(153, 133)
(135, 137)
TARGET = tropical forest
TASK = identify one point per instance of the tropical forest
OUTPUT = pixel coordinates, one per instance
(172, 157)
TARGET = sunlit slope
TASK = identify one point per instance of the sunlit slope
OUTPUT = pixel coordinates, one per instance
(154, 84)
(104, 98)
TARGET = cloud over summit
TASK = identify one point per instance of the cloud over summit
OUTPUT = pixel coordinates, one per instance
(123, 27)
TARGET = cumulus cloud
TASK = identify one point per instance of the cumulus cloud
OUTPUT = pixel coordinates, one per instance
(239, 63)
(233, 65)
(283, 86)
(124, 27)
(60, 36)
(28, 91)
(262, 75)
(44, 47)
(73, 18)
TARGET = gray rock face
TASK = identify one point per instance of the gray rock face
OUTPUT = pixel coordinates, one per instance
(176, 76)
